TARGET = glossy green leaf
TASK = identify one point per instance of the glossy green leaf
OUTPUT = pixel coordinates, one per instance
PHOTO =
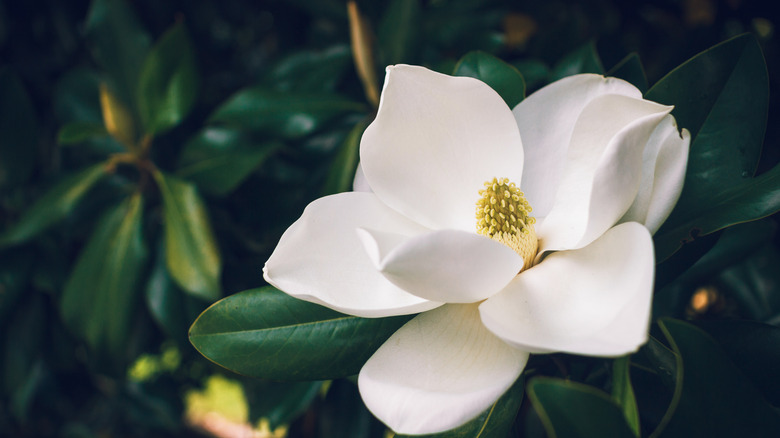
(502, 77)
(534, 71)
(192, 255)
(706, 379)
(342, 171)
(219, 159)
(495, 421)
(268, 334)
(119, 43)
(53, 206)
(284, 114)
(18, 131)
(623, 392)
(98, 302)
(571, 409)
(310, 71)
(78, 132)
(168, 84)
(399, 31)
(721, 97)
(630, 69)
(583, 60)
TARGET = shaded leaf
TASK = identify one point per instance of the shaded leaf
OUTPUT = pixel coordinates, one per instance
(583, 60)
(192, 255)
(169, 81)
(18, 131)
(630, 69)
(281, 402)
(623, 392)
(310, 71)
(15, 268)
(78, 132)
(505, 79)
(53, 206)
(342, 171)
(268, 334)
(399, 31)
(344, 415)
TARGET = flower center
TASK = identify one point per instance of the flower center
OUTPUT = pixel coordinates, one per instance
(503, 215)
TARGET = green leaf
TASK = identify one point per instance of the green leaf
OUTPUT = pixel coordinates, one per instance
(53, 206)
(534, 71)
(192, 254)
(721, 97)
(583, 60)
(630, 69)
(15, 268)
(310, 71)
(344, 415)
(285, 114)
(342, 171)
(623, 392)
(496, 421)
(712, 397)
(169, 80)
(268, 334)
(280, 402)
(100, 295)
(502, 77)
(219, 159)
(119, 43)
(399, 31)
(22, 342)
(18, 131)
(78, 132)
(571, 409)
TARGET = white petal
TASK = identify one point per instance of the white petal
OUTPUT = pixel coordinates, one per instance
(663, 172)
(435, 141)
(320, 258)
(602, 172)
(448, 266)
(359, 183)
(546, 120)
(437, 372)
(592, 301)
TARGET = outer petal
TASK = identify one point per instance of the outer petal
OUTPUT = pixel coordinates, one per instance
(435, 141)
(663, 172)
(602, 172)
(546, 120)
(592, 301)
(320, 258)
(359, 183)
(438, 371)
(448, 266)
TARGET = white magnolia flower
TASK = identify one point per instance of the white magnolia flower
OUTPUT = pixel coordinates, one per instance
(600, 167)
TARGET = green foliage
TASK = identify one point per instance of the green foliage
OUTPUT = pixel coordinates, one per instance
(18, 130)
(502, 77)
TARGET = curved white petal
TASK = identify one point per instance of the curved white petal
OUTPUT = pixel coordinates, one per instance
(435, 140)
(359, 183)
(591, 301)
(320, 258)
(663, 173)
(438, 371)
(448, 266)
(546, 121)
(602, 172)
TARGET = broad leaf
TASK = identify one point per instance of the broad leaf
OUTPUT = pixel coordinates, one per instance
(623, 392)
(721, 97)
(399, 31)
(342, 170)
(583, 60)
(284, 114)
(502, 77)
(310, 71)
(100, 295)
(78, 132)
(53, 206)
(571, 409)
(168, 85)
(268, 334)
(191, 251)
(18, 131)
(630, 69)
(219, 159)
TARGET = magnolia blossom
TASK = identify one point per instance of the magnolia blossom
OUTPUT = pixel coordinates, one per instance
(438, 225)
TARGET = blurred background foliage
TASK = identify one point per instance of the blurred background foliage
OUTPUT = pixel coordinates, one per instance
(152, 153)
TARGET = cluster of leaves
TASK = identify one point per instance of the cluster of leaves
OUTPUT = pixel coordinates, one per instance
(163, 192)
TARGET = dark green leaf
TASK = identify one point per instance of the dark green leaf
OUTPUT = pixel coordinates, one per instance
(78, 132)
(169, 81)
(53, 206)
(285, 114)
(661, 361)
(583, 60)
(721, 97)
(281, 402)
(118, 42)
(712, 398)
(192, 254)
(219, 159)
(535, 73)
(752, 285)
(18, 131)
(399, 31)
(310, 71)
(623, 392)
(344, 415)
(22, 340)
(571, 409)
(99, 297)
(502, 77)
(268, 334)
(342, 171)
(630, 69)
(495, 421)
(15, 267)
